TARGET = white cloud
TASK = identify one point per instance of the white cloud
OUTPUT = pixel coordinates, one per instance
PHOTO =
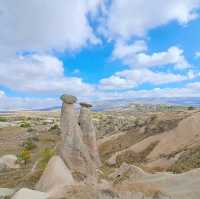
(197, 54)
(124, 51)
(135, 56)
(45, 25)
(20, 103)
(189, 90)
(194, 86)
(2, 94)
(40, 74)
(42, 26)
(128, 79)
(173, 56)
(127, 18)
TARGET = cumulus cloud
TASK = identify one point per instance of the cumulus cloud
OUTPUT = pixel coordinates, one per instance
(132, 78)
(32, 30)
(20, 103)
(37, 25)
(2, 94)
(135, 18)
(134, 55)
(197, 54)
(124, 51)
(189, 90)
(40, 74)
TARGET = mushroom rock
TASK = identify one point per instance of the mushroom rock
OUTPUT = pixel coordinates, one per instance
(73, 150)
(89, 133)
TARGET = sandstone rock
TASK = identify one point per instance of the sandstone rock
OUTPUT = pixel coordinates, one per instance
(104, 184)
(8, 162)
(68, 99)
(84, 104)
(29, 194)
(56, 174)
(73, 150)
(131, 171)
(4, 192)
(88, 130)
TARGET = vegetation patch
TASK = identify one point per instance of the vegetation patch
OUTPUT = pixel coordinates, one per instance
(131, 157)
(118, 144)
(45, 155)
(3, 119)
(187, 161)
(29, 145)
(156, 125)
(25, 125)
(106, 171)
(148, 190)
(24, 157)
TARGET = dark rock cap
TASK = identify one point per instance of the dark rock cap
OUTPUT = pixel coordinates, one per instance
(68, 99)
(83, 104)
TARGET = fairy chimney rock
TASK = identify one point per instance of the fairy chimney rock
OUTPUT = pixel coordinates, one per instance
(73, 150)
(89, 133)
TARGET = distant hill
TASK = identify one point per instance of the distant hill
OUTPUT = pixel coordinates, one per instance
(103, 105)
(178, 101)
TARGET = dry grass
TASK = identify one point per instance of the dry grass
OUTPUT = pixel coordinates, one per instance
(120, 143)
(80, 192)
(187, 161)
(106, 171)
(131, 157)
(148, 190)
(152, 169)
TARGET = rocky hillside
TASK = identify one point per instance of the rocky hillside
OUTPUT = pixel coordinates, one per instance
(141, 152)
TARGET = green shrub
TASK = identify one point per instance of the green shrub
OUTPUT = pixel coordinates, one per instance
(29, 145)
(45, 156)
(190, 108)
(187, 161)
(30, 130)
(24, 156)
(25, 125)
(3, 119)
(54, 127)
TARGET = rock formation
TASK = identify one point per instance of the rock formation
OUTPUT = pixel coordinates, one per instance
(8, 162)
(88, 130)
(73, 150)
(30, 194)
(55, 175)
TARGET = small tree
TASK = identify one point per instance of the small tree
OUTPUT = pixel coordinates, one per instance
(24, 156)
(190, 108)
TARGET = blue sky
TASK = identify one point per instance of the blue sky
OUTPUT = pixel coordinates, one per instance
(97, 50)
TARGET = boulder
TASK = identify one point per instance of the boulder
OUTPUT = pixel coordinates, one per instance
(89, 133)
(8, 162)
(30, 194)
(55, 175)
(73, 150)
(5, 192)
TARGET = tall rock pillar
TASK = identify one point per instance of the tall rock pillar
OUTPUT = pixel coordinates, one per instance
(89, 134)
(73, 150)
